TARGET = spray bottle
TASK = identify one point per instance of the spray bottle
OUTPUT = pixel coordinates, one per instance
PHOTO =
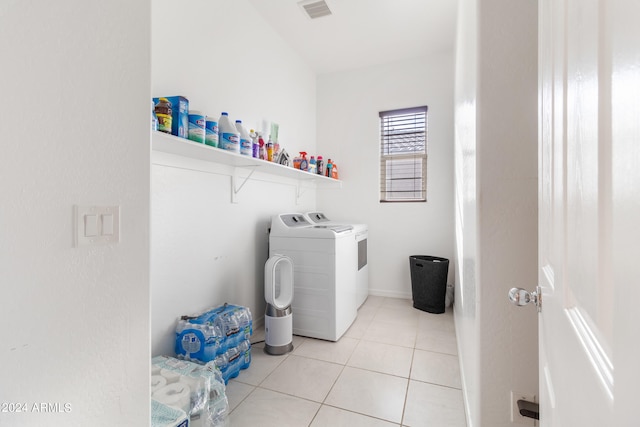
(304, 163)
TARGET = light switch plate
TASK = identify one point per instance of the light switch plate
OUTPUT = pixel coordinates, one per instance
(104, 228)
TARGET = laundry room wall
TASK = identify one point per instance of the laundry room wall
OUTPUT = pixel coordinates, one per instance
(206, 250)
(75, 81)
(349, 134)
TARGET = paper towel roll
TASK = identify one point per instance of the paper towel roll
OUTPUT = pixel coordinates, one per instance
(157, 382)
(171, 376)
(177, 395)
(199, 397)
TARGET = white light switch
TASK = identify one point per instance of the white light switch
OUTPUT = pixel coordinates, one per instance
(96, 225)
(90, 225)
(107, 224)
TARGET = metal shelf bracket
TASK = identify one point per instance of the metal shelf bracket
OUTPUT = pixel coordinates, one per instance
(235, 178)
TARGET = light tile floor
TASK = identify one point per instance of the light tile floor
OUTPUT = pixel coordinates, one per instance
(395, 366)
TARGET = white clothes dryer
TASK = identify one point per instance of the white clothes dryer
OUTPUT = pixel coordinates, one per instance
(362, 266)
(324, 297)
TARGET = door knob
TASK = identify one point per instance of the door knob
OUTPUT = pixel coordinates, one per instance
(520, 297)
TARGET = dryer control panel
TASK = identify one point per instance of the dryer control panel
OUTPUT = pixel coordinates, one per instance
(294, 220)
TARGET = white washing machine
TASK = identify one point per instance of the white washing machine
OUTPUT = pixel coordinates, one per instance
(362, 266)
(324, 282)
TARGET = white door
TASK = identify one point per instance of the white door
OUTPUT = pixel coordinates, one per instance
(589, 212)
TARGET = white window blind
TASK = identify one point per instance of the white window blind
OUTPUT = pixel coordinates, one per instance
(403, 155)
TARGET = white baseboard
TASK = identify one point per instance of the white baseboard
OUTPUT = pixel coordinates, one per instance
(258, 323)
(390, 294)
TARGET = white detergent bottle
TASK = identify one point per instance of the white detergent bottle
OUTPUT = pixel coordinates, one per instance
(229, 137)
(246, 145)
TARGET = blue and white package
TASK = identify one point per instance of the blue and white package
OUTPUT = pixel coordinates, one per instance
(167, 416)
(212, 333)
(211, 131)
(197, 126)
(180, 114)
(197, 341)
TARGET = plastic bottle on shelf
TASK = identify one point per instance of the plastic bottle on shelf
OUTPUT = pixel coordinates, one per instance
(164, 115)
(329, 167)
(313, 165)
(246, 148)
(320, 165)
(255, 146)
(262, 149)
(304, 163)
(270, 149)
(334, 171)
(229, 137)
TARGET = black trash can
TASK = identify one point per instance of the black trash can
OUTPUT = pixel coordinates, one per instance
(429, 282)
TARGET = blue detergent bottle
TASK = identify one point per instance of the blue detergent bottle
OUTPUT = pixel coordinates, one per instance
(313, 165)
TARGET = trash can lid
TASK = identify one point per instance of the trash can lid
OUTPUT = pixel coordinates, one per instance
(428, 258)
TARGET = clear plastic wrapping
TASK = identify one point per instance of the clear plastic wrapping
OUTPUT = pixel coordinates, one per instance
(206, 402)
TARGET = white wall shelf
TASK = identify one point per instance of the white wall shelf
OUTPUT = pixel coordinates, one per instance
(162, 142)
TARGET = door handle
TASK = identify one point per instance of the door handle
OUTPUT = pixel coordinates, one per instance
(520, 297)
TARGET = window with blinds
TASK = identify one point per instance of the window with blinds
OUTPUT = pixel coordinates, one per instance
(403, 155)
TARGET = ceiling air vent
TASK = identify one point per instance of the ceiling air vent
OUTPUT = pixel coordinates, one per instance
(315, 8)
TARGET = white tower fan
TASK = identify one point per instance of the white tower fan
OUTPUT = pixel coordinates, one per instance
(278, 292)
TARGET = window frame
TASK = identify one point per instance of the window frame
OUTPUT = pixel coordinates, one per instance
(420, 155)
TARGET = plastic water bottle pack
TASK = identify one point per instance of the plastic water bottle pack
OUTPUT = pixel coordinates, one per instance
(205, 336)
(233, 360)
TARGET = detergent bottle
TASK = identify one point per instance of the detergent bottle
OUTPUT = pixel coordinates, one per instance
(320, 165)
(334, 171)
(245, 140)
(228, 135)
(313, 165)
(255, 146)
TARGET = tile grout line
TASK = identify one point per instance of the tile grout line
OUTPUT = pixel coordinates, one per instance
(336, 380)
(358, 341)
(406, 393)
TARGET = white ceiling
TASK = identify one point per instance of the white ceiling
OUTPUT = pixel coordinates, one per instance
(361, 33)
